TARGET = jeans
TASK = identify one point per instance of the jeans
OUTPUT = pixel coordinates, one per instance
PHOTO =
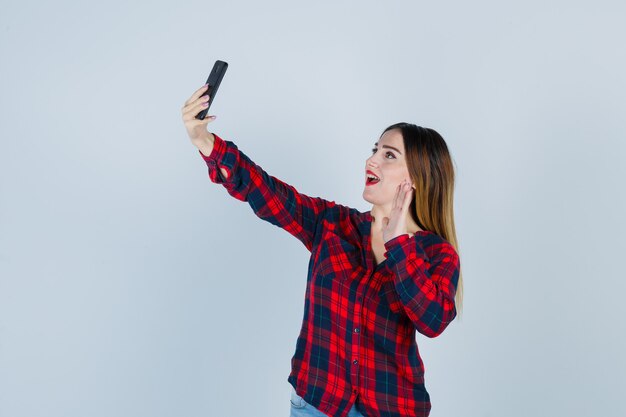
(300, 408)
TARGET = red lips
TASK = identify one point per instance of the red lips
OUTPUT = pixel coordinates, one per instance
(369, 181)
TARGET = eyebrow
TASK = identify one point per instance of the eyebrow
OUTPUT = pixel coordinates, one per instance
(387, 146)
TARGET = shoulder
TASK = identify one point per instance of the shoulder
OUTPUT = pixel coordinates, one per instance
(346, 221)
(435, 246)
(341, 213)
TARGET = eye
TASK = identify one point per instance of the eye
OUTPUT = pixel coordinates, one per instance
(388, 154)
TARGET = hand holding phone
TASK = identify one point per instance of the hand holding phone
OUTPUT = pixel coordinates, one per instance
(214, 80)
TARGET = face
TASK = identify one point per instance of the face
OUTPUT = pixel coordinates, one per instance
(388, 163)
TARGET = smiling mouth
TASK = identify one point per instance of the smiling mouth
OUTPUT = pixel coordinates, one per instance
(371, 180)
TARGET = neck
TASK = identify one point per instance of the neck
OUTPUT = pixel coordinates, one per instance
(378, 213)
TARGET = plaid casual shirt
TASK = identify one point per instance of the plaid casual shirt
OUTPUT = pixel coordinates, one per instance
(358, 331)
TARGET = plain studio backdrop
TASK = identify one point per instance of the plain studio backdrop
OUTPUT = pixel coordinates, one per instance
(131, 285)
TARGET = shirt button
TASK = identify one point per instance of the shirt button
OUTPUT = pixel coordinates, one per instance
(360, 298)
(355, 362)
(354, 390)
(356, 330)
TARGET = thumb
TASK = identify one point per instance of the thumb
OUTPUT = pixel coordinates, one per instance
(207, 119)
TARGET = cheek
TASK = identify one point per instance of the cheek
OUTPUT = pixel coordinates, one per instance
(400, 175)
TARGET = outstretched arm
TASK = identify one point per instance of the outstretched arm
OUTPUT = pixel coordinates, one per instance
(271, 199)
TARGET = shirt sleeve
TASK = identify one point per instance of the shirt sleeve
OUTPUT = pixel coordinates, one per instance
(426, 286)
(270, 198)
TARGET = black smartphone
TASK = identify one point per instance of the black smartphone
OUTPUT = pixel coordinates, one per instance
(214, 80)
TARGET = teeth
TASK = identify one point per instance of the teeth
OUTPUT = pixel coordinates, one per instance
(372, 177)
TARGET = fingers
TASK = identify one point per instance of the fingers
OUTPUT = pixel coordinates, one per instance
(396, 198)
(408, 195)
(399, 209)
(198, 122)
(196, 94)
(195, 99)
(192, 109)
(402, 199)
(195, 122)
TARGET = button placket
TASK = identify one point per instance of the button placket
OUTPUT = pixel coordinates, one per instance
(356, 332)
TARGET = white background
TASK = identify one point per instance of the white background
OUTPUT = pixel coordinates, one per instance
(130, 285)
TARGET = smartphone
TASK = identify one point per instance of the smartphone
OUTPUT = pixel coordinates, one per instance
(214, 80)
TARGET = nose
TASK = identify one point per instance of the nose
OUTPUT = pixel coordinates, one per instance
(370, 162)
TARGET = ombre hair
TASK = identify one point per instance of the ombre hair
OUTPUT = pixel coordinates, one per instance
(432, 172)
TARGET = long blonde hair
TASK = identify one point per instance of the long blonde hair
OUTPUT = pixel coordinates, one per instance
(431, 169)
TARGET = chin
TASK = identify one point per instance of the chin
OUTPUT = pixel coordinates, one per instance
(370, 200)
(365, 197)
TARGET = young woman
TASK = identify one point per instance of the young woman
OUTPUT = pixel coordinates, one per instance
(374, 278)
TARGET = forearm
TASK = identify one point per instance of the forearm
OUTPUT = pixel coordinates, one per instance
(426, 286)
(205, 147)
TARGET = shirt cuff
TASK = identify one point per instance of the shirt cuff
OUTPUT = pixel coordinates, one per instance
(219, 149)
(394, 246)
(405, 247)
(218, 154)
